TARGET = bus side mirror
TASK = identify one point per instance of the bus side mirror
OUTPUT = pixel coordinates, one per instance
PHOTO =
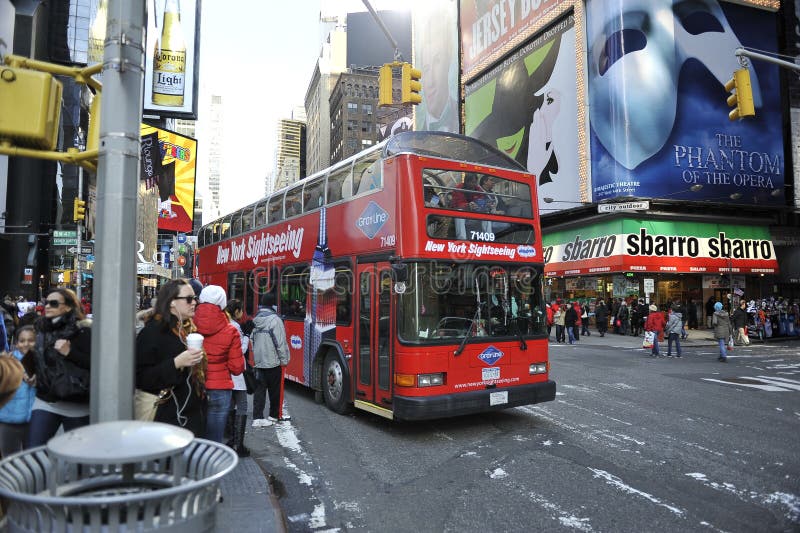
(400, 271)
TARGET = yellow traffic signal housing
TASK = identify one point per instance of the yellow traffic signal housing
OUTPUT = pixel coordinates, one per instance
(93, 138)
(78, 210)
(410, 86)
(30, 108)
(385, 85)
(741, 98)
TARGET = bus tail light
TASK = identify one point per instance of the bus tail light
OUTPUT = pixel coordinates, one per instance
(537, 368)
(430, 380)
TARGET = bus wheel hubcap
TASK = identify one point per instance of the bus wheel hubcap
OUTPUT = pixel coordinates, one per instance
(334, 380)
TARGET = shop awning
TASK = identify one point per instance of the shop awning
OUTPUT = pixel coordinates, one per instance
(636, 245)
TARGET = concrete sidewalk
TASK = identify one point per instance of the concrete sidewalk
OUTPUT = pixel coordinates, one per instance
(249, 504)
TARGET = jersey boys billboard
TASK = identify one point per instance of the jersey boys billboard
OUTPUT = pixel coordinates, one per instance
(169, 162)
(658, 111)
(660, 246)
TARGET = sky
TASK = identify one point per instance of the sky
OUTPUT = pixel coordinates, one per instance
(259, 56)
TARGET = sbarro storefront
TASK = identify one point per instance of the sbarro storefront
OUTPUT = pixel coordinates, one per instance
(659, 260)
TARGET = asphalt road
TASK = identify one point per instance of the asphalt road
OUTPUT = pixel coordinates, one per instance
(631, 443)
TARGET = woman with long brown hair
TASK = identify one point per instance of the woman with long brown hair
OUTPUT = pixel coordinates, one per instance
(63, 359)
(165, 366)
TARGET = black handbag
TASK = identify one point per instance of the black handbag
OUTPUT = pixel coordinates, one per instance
(250, 380)
(64, 380)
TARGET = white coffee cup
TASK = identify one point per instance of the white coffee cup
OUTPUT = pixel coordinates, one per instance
(194, 341)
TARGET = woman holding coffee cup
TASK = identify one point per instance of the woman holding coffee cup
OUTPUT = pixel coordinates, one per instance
(170, 361)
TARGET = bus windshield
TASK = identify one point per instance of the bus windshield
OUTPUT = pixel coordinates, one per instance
(443, 302)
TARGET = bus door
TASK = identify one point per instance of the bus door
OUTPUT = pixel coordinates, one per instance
(372, 367)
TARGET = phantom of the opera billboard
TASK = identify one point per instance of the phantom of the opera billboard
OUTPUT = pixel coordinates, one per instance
(658, 113)
(169, 163)
(527, 107)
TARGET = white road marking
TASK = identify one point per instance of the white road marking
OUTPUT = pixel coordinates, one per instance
(566, 518)
(769, 388)
(790, 501)
(783, 382)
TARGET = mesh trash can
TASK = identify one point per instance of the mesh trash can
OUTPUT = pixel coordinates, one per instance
(116, 476)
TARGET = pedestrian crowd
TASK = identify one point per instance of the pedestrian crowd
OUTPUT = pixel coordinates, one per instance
(671, 323)
(197, 359)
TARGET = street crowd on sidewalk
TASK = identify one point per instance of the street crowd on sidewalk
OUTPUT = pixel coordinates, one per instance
(671, 322)
(197, 359)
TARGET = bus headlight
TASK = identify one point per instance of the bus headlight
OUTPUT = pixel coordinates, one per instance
(537, 368)
(430, 380)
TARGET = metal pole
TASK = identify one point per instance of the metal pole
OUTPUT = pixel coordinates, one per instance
(80, 145)
(398, 56)
(741, 52)
(118, 176)
(78, 272)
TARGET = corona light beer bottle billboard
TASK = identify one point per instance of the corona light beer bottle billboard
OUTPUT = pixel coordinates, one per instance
(169, 63)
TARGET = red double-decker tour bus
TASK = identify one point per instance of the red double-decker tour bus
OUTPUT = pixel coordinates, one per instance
(409, 278)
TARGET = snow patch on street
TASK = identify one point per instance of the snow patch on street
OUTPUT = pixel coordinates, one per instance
(498, 473)
(790, 501)
(566, 518)
(616, 482)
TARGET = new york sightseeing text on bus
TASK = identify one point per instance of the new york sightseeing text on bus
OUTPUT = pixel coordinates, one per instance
(409, 278)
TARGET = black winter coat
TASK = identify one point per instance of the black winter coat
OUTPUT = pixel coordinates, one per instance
(156, 350)
(67, 327)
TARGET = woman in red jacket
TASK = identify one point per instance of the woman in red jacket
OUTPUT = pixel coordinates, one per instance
(223, 347)
(655, 322)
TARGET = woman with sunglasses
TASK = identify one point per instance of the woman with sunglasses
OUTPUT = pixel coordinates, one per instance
(63, 357)
(165, 366)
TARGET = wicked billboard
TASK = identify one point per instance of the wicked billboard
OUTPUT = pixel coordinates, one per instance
(527, 107)
(658, 112)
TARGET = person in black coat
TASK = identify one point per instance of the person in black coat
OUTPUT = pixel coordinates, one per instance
(601, 317)
(63, 349)
(165, 366)
(570, 319)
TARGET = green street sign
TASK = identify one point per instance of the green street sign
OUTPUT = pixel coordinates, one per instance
(65, 234)
(66, 241)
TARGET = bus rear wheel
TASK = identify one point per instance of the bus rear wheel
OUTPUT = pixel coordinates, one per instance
(335, 385)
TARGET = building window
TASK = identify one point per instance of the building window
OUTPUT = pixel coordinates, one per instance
(352, 106)
(352, 125)
(365, 126)
(367, 109)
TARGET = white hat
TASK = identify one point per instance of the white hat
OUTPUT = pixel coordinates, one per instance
(214, 294)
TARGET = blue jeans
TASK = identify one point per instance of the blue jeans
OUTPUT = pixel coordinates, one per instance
(655, 345)
(571, 331)
(219, 402)
(723, 348)
(44, 426)
(674, 337)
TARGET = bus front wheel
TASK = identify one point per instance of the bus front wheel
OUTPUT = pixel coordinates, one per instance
(335, 385)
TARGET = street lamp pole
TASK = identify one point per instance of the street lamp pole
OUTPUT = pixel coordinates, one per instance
(80, 144)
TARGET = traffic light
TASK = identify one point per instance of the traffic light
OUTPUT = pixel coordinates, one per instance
(741, 98)
(385, 85)
(410, 86)
(30, 108)
(78, 210)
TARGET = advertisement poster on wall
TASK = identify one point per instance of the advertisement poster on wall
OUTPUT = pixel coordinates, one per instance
(490, 27)
(658, 111)
(169, 163)
(170, 78)
(527, 107)
(436, 55)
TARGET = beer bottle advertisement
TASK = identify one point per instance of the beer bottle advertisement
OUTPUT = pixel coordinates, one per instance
(169, 79)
